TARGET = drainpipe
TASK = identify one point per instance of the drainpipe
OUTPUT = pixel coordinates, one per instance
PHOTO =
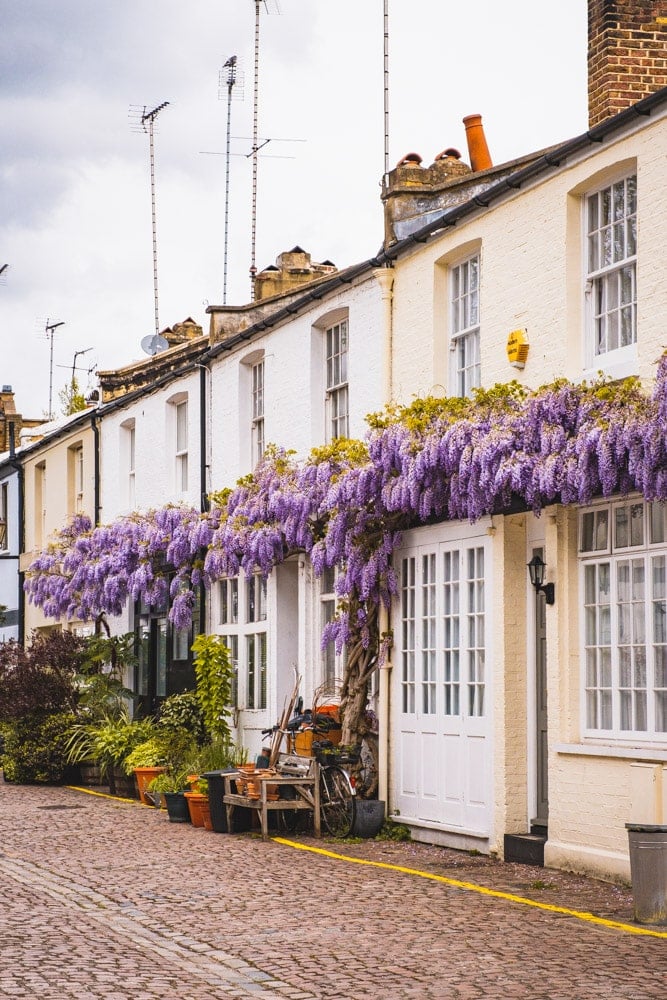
(204, 604)
(385, 278)
(15, 464)
(96, 473)
(203, 438)
(383, 712)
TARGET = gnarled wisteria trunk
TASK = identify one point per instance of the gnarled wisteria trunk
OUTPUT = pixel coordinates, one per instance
(361, 661)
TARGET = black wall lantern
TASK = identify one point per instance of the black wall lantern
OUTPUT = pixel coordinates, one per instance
(536, 568)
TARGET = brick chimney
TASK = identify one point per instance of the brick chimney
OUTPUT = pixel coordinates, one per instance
(627, 54)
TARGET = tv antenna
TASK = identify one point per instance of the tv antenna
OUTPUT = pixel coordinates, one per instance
(234, 78)
(3, 273)
(145, 121)
(49, 330)
(77, 354)
(386, 87)
(271, 7)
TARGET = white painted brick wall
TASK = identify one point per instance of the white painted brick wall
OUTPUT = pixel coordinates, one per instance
(294, 382)
(155, 475)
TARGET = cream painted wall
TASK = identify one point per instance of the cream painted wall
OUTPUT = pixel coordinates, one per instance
(531, 275)
(9, 579)
(55, 455)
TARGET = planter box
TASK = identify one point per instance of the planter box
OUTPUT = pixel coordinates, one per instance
(122, 784)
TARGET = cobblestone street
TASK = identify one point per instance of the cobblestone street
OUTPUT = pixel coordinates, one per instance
(105, 898)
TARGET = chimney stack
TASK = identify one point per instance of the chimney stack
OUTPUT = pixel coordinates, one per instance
(480, 158)
(627, 57)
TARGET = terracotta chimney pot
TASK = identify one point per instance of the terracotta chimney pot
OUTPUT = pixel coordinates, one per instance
(410, 160)
(480, 158)
(448, 154)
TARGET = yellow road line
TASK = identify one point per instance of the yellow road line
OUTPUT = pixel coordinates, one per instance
(482, 890)
(100, 795)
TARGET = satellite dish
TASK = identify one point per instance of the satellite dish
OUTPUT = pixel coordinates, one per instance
(154, 343)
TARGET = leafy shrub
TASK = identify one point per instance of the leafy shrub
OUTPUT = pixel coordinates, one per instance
(35, 748)
(101, 690)
(170, 781)
(40, 679)
(183, 711)
(214, 756)
(214, 671)
(108, 741)
(394, 831)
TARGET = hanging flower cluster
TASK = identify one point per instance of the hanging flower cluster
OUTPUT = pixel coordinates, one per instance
(346, 506)
(86, 571)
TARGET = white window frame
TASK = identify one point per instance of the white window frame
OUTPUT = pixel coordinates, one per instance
(610, 268)
(623, 585)
(243, 625)
(131, 432)
(332, 664)
(464, 312)
(75, 478)
(4, 517)
(78, 479)
(337, 401)
(181, 431)
(444, 632)
(257, 373)
(40, 504)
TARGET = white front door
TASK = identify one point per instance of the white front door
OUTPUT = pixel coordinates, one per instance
(441, 693)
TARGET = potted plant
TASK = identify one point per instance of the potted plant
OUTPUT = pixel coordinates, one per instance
(171, 785)
(198, 805)
(109, 741)
(146, 762)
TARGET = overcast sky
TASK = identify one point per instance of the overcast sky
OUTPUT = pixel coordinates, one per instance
(75, 204)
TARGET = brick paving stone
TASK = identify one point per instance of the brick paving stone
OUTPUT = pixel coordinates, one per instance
(107, 899)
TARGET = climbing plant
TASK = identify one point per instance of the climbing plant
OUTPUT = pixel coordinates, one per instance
(506, 448)
(214, 672)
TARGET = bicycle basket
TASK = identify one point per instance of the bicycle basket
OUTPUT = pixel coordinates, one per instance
(326, 753)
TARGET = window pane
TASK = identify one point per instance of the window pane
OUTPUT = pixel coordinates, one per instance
(611, 259)
(182, 427)
(637, 524)
(657, 518)
(602, 524)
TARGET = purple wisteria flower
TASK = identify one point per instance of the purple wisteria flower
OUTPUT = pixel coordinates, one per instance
(347, 506)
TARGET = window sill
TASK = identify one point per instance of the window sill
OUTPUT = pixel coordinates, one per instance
(614, 368)
(621, 751)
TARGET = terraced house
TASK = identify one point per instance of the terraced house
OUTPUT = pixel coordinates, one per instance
(522, 721)
(525, 717)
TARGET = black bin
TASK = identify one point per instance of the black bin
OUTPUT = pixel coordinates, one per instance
(216, 790)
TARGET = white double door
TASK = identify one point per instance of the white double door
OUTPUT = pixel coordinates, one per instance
(441, 693)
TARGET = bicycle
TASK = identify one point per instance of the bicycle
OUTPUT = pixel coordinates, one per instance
(337, 792)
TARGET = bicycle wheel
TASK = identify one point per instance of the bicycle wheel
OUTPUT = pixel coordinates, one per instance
(289, 820)
(337, 801)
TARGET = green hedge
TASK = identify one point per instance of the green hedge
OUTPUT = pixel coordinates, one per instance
(34, 749)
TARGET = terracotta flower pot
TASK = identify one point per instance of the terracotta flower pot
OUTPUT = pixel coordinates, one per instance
(198, 807)
(144, 776)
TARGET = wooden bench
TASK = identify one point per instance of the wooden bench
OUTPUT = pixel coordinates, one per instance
(300, 773)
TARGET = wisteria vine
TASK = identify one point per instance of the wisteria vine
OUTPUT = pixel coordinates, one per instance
(347, 505)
